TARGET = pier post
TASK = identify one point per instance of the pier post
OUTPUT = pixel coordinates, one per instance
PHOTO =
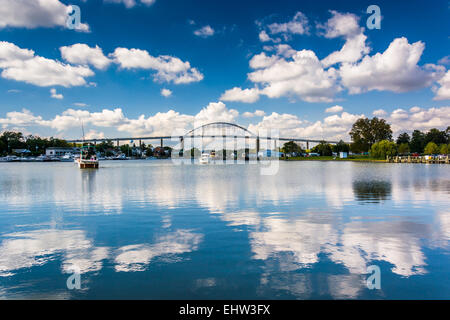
(182, 146)
(246, 149)
(257, 148)
(192, 149)
(224, 147)
(235, 152)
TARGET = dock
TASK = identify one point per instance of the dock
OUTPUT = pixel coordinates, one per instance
(419, 159)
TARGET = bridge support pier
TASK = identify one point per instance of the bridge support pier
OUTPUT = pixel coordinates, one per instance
(117, 143)
(235, 151)
(247, 150)
(224, 147)
(182, 147)
(307, 145)
(257, 148)
(162, 143)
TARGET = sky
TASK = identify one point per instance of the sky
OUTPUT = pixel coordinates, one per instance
(308, 69)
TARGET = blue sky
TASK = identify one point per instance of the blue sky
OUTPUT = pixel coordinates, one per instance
(222, 60)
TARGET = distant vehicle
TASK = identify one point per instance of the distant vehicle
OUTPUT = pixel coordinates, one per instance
(313, 154)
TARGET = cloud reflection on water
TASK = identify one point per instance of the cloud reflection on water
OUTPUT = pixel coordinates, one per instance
(350, 215)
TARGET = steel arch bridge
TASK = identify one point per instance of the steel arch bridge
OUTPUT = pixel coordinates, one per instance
(209, 130)
(219, 125)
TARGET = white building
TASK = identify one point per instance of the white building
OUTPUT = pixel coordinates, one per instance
(58, 152)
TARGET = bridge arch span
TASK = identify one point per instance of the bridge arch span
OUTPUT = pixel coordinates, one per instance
(217, 125)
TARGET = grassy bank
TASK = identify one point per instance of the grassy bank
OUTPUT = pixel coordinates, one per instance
(331, 158)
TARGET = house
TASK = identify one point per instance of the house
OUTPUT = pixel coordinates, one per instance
(160, 152)
(59, 152)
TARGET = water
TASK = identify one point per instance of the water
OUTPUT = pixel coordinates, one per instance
(152, 229)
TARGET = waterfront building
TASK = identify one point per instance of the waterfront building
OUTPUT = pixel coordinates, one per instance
(59, 152)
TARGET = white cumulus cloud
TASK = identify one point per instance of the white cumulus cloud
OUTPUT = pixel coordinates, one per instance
(204, 32)
(443, 92)
(23, 65)
(334, 109)
(169, 69)
(35, 13)
(55, 95)
(396, 69)
(81, 53)
(131, 3)
(166, 92)
(241, 95)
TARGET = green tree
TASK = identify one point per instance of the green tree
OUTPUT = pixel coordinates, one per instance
(168, 150)
(436, 136)
(403, 138)
(105, 146)
(444, 149)
(403, 148)
(417, 141)
(12, 140)
(382, 149)
(149, 152)
(431, 148)
(125, 149)
(291, 147)
(365, 132)
(341, 146)
(323, 148)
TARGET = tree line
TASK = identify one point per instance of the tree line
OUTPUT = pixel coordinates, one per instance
(10, 140)
(374, 137)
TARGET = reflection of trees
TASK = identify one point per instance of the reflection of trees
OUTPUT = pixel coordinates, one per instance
(372, 191)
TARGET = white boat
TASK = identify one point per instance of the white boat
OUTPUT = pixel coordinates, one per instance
(205, 158)
(67, 157)
(121, 157)
(88, 158)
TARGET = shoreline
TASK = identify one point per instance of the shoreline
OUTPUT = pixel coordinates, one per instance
(330, 158)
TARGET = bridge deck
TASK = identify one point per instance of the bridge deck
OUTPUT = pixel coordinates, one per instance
(177, 138)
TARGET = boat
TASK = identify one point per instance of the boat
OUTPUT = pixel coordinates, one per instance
(88, 158)
(121, 157)
(67, 157)
(205, 158)
(43, 158)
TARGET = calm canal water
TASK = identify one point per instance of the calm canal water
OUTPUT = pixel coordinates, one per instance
(155, 230)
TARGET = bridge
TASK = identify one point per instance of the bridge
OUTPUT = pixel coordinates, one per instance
(213, 130)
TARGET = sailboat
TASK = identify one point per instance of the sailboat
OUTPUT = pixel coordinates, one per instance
(88, 157)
